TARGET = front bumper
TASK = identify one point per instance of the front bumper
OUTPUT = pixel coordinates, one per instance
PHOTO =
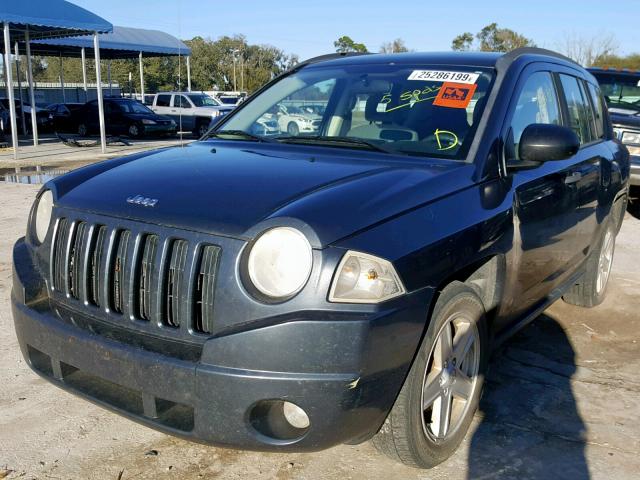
(160, 129)
(344, 372)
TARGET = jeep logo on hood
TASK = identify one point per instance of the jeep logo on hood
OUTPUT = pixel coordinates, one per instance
(142, 200)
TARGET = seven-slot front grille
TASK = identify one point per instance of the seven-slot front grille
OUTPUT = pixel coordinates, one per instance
(134, 275)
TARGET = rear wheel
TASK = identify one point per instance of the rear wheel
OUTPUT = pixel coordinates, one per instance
(592, 286)
(201, 129)
(441, 393)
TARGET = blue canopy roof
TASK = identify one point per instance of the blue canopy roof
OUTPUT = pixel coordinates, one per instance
(50, 18)
(123, 42)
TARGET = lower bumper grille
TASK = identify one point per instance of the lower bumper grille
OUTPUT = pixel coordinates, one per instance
(135, 274)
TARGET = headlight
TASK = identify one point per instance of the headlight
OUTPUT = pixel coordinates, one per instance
(280, 262)
(215, 113)
(363, 278)
(631, 138)
(43, 211)
(148, 121)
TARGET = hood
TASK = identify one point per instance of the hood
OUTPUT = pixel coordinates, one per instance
(624, 117)
(150, 116)
(228, 188)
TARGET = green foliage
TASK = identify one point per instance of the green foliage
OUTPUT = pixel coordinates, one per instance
(346, 44)
(631, 62)
(491, 39)
(212, 67)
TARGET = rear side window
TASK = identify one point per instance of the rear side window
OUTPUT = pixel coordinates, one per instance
(181, 102)
(163, 100)
(537, 103)
(579, 119)
(596, 100)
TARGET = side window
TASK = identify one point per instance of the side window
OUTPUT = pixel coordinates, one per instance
(596, 100)
(578, 107)
(537, 103)
(181, 102)
(163, 100)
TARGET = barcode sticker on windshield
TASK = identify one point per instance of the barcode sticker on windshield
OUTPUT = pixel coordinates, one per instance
(443, 76)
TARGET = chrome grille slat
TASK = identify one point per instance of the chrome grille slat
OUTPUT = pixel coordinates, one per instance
(205, 289)
(118, 271)
(78, 247)
(96, 258)
(59, 255)
(146, 277)
(175, 282)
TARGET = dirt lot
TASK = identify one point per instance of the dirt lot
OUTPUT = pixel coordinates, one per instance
(562, 401)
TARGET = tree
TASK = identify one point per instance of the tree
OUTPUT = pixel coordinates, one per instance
(346, 44)
(588, 51)
(491, 39)
(632, 61)
(396, 46)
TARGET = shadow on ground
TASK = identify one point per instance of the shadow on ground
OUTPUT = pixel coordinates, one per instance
(530, 424)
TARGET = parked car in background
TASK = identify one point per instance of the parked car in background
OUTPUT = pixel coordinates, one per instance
(295, 292)
(191, 111)
(295, 121)
(621, 89)
(122, 116)
(43, 116)
(63, 119)
(227, 98)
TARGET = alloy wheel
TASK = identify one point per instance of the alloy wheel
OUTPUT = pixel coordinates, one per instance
(605, 261)
(134, 131)
(451, 377)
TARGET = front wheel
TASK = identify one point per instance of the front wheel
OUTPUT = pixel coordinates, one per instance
(82, 130)
(590, 290)
(293, 129)
(201, 129)
(134, 131)
(441, 393)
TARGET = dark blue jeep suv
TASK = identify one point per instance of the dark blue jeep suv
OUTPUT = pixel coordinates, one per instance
(294, 292)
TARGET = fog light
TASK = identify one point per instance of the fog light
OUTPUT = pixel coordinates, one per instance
(295, 415)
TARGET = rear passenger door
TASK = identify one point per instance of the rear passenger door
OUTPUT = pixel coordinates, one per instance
(163, 104)
(589, 174)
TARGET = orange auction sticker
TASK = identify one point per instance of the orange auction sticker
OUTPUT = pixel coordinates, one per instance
(455, 95)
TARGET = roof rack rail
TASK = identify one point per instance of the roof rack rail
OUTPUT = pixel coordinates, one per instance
(329, 56)
(511, 56)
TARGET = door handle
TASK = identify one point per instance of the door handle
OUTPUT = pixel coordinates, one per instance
(573, 178)
(173, 111)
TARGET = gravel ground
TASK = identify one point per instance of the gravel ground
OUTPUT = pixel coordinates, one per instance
(562, 401)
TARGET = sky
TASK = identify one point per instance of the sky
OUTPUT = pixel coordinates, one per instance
(309, 28)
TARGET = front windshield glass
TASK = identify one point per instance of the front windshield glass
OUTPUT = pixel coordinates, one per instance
(202, 100)
(399, 109)
(621, 90)
(134, 107)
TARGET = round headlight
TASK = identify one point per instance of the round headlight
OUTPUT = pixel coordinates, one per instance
(43, 215)
(280, 262)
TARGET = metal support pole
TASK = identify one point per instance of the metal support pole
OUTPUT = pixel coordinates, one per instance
(9, 81)
(17, 60)
(188, 73)
(32, 97)
(84, 74)
(141, 78)
(109, 78)
(64, 96)
(96, 51)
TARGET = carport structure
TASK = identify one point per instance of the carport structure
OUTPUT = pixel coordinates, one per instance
(24, 21)
(121, 43)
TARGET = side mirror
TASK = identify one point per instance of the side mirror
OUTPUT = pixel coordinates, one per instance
(543, 142)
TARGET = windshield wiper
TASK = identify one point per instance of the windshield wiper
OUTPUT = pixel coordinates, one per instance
(239, 133)
(347, 141)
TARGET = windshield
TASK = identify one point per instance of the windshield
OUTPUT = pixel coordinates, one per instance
(621, 90)
(398, 109)
(202, 100)
(134, 107)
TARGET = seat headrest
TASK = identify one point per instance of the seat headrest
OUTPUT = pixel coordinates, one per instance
(371, 113)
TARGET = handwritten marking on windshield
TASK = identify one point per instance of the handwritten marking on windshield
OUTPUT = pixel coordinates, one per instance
(449, 137)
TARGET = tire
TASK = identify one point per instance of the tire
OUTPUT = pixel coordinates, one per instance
(633, 207)
(410, 434)
(591, 289)
(82, 130)
(293, 129)
(201, 129)
(134, 131)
